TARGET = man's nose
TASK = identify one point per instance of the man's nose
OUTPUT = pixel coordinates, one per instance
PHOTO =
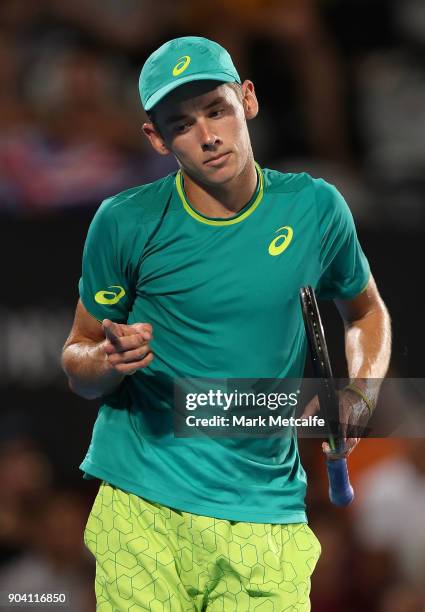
(209, 140)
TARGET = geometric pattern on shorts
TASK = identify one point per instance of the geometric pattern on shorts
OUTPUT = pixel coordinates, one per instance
(150, 557)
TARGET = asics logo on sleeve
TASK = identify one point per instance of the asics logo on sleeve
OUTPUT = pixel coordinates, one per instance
(110, 297)
(281, 242)
(182, 63)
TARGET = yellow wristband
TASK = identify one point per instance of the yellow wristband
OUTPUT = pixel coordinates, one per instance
(355, 389)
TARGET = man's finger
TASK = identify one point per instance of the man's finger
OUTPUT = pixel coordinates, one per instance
(131, 368)
(145, 329)
(126, 343)
(349, 446)
(326, 448)
(132, 356)
(112, 331)
(332, 455)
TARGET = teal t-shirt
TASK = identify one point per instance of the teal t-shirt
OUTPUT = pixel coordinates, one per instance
(222, 297)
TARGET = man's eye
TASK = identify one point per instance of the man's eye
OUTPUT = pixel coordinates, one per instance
(182, 127)
(216, 113)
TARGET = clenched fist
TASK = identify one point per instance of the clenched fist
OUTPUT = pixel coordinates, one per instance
(127, 346)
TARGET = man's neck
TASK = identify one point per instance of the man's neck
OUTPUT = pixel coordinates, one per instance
(224, 200)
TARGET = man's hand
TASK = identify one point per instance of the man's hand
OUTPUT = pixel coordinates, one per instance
(97, 356)
(127, 346)
(353, 416)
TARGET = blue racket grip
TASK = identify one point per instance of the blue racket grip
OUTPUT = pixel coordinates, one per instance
(340, 490)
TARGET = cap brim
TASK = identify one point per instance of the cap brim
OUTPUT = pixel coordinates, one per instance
(204, 76)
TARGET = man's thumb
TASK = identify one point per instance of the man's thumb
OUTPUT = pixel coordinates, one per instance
(111, 330)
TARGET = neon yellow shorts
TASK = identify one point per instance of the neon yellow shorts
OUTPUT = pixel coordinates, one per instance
(150, 557)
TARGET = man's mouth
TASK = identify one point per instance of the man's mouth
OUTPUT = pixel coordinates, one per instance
(217, 159)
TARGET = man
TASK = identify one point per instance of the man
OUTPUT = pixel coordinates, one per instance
(197, 275)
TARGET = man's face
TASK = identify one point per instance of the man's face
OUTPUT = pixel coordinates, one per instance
(204, 125)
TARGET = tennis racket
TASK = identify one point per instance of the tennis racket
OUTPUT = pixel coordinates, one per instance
(340, 490)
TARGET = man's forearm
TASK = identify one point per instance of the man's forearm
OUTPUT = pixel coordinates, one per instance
(368, 348)
(89, 372)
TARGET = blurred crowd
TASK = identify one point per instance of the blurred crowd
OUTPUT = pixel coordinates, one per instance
(373, 553)
(41, 531)
(340, 84)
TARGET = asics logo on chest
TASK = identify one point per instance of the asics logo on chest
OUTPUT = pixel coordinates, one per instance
(282, 241)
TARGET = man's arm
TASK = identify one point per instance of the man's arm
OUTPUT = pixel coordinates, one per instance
(97, 356)
(368, 350)
(367, 335)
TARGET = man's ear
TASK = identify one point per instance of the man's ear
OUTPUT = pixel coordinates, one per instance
(155, 138)
(249, 100)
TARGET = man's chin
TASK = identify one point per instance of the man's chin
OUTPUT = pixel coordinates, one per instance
(217, 175)
(219, 178)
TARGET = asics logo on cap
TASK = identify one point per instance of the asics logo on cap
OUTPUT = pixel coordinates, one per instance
(182, 63)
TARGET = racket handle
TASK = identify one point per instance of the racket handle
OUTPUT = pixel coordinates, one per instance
(340, 490)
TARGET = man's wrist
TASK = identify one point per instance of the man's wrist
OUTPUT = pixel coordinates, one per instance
(363, 392)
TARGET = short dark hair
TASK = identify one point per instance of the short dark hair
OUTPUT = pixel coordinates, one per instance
(151, 116)
(237, 88)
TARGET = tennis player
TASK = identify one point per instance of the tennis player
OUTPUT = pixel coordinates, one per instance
(198, 275)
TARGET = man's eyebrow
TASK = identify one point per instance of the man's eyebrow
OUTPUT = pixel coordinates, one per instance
(175, 118)
(218, 100)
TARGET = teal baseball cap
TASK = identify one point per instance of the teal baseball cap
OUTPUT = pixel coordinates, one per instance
(180, 61)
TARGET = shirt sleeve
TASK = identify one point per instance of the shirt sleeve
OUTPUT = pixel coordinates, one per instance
(345, 270)
(107, 286)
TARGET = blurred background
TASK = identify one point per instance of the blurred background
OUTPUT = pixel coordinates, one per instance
(341, 85)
